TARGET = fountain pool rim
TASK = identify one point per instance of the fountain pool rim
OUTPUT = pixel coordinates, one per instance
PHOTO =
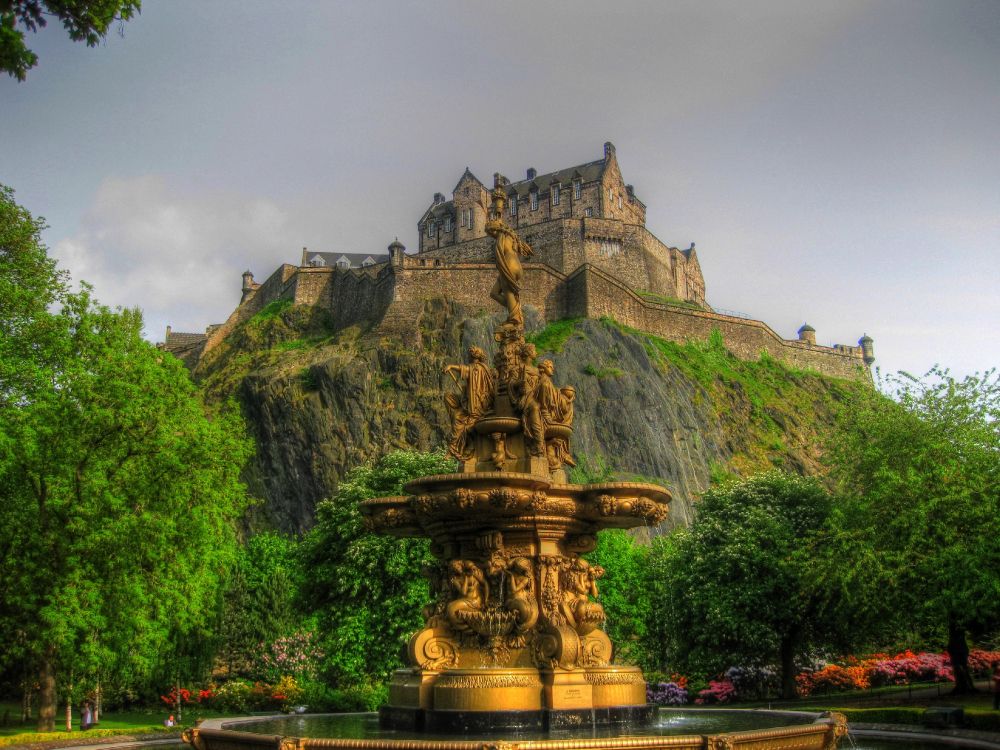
(816, 731)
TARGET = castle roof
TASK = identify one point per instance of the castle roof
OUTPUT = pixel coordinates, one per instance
(177, 338)
(355, 260)
(588, 172)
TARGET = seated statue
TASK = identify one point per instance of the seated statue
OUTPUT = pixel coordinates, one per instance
(469, 591)
(520, 594)
(579, 583)
(475, 400)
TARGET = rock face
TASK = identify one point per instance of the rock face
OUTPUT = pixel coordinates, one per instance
(319, 402)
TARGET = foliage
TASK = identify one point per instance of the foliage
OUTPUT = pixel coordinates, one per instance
(259, 603)
(84, 20)
(921, 475)
(603, 372)
(666, 694)
(740, 586)
(554, 336)
(233, 696)
(365, 589)
(119, 492)
(718, 691)
(296, 655)
(833, 679)
(624, 593)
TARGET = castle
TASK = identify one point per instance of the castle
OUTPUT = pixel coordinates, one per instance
(593, 256)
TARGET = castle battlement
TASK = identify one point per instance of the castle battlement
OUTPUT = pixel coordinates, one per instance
(592, 256)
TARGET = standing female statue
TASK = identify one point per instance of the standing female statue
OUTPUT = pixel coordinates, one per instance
(509, 248)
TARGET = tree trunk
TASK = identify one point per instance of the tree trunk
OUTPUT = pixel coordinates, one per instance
(97, 703)
(46, 696)
(69, 711)
(788, 689)
(958, 652)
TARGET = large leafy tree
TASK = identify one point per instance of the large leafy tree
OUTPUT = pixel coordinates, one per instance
(739, 587)
(366, 589)
(119, 493)
(84, 20)
(921, 475)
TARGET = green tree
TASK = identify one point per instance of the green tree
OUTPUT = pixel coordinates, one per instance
(260, 601)
(921, 474)
(625, 594)
(738, 587)
(84, 20)
(366, 589)
(118, 492)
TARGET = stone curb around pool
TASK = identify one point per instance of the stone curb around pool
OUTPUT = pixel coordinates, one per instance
(953, 737)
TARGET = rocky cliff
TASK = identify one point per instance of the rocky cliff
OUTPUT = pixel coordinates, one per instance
(319, 401)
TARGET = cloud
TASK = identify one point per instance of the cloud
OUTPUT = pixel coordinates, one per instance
(176, 254)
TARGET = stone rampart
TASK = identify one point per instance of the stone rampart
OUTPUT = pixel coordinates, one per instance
(597, 294)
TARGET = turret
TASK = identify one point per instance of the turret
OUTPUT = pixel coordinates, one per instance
(807, 334)
(867, 349)
(396, 252)
(248, 284)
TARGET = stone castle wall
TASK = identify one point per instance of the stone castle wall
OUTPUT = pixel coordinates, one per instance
(390, 296)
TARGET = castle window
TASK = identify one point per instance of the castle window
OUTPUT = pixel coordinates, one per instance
(588, 212)
(577, 189)
(317, 261)
(447, 223)
(513, 205)
(343, 262)
(468, 217)
(431, 228)
(367, 262)
(555, 194)
(610, 248)
(534, 200)
(619, 202)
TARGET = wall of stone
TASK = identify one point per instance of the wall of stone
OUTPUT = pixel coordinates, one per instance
(279, 285)
(602, 294)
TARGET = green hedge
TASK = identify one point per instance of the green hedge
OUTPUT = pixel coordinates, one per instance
(975, 718)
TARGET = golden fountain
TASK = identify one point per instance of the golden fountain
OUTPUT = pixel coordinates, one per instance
(512, 639)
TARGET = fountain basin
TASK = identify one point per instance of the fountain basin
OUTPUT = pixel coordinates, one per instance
(675, 729)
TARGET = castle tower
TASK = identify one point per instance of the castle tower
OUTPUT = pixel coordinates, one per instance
(396, 252)
(249, 284)
(470, 199)
(807, 334)
(867, 349)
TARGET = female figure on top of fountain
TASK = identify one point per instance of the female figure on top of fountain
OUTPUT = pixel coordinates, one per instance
(470, 591)
(509, 248)
(579, 584)
(521, 594)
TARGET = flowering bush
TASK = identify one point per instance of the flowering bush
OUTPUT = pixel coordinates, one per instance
(832, 678)
(296, 654)
(718, 691)
(233, 696)
(666, 694)
(910, 667)
(753, 682)
(287, 692)
(171, 698)
(980, 662)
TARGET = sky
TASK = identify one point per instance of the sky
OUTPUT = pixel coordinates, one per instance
(835, 163)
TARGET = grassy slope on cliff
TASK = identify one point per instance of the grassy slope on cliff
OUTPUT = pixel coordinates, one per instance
(321, 401)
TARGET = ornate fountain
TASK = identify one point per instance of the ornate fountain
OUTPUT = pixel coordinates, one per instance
(513, 637)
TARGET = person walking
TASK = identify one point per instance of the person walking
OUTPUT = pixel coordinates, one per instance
(86, 717)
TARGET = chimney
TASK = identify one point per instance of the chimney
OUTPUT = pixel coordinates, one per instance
(438, 198)
(166, 340)
(609, 150)
(305, 262)
(532, 172)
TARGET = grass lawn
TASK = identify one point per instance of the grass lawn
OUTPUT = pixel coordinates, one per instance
(143, 721)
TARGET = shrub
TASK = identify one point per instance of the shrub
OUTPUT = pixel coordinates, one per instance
(832, 679)
(233, 696)
(718, 691)
(666, 694)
